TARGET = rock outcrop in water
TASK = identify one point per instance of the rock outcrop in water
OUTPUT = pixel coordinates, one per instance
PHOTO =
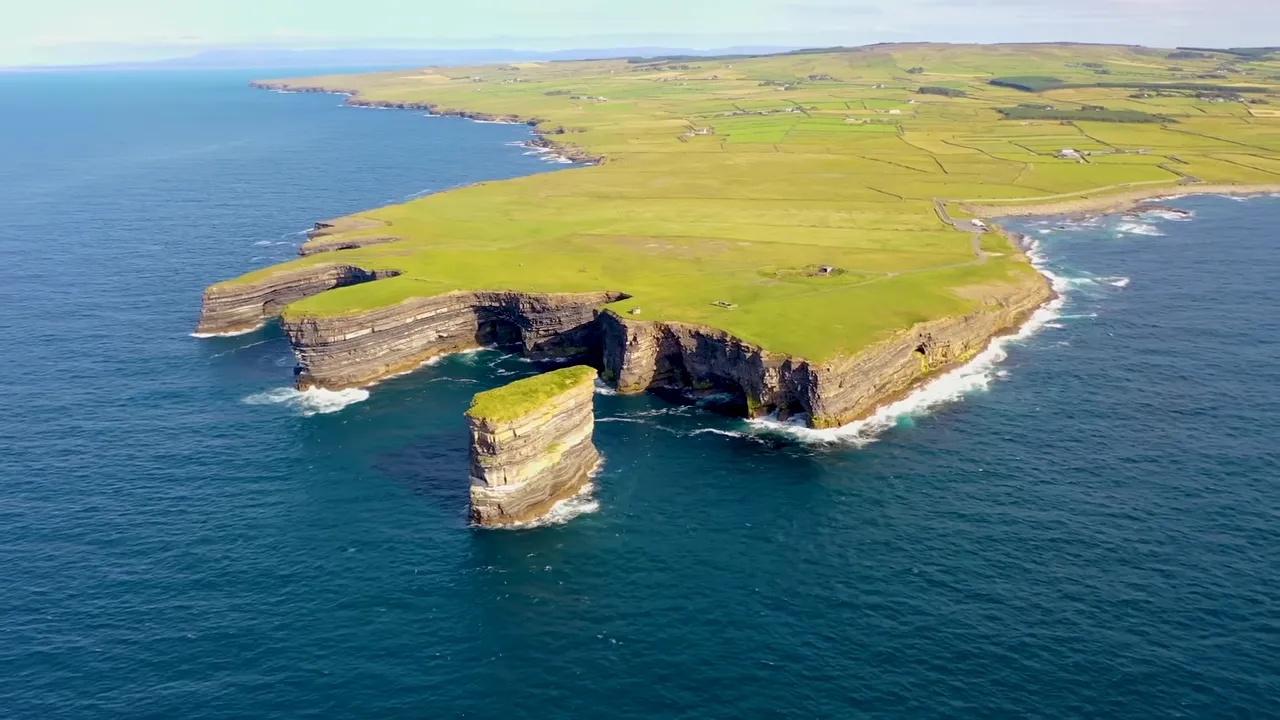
(531, 446)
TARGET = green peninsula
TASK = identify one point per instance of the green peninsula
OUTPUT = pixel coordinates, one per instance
(812, 204)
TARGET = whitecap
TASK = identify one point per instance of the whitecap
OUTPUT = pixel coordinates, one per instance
(316, 401)
(1168, 215)
(718, 431)
(262, 243)
(1117, 281)
(236, 333)
(603, 389)
(1137, 228)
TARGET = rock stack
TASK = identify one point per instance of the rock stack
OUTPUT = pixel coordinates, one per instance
(531, 446)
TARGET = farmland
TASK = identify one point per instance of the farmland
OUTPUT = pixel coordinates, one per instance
(724, 180)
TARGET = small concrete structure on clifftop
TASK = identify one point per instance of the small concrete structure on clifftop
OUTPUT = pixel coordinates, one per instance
(531, 445)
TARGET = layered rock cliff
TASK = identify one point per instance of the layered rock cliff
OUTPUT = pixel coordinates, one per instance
(531, 446)
(229, 308)
(639, 355)
(338, 352)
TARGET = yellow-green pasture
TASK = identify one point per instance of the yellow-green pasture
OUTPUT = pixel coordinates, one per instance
(729, 180)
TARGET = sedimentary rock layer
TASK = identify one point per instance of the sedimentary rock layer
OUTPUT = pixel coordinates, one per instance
(329, 243)
(639, 355)
(522, 466)
(238, 307)
(338, 352)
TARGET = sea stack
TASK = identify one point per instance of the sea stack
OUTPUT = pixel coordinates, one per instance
(531, 445)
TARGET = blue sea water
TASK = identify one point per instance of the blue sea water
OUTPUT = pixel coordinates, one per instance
(1092, 530)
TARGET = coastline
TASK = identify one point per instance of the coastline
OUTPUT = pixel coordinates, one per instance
(1120, 202)
(885, 386)
(541, 142)
(889, 406)
(950, 383)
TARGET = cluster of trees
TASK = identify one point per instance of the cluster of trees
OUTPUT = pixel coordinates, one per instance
(1099, 114)
(944, 91)
(1028, 83)
(1040, 83)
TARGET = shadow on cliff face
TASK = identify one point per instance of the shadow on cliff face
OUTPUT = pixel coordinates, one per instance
(436, 468)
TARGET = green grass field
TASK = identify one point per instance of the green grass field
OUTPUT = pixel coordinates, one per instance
(795, 174)
(525, 396)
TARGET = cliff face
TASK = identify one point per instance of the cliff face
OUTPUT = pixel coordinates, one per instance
(524, 465)
(244, 306)
(639, 355)
(351, 351)
(340, 352)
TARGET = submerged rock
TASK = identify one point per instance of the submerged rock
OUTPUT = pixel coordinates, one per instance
(531, 446)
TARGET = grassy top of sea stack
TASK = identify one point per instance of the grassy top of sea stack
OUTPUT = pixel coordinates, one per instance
(790, 199)
(526, 396)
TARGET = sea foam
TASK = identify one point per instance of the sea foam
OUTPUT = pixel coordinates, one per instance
(582, 503)
(307, 403)
(1138, 228)
(236, 333)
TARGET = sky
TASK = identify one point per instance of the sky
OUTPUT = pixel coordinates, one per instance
(55, 32)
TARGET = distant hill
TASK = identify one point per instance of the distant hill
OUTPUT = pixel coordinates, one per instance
(272, 58)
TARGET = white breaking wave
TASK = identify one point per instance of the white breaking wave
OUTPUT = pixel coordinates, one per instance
(315, 401)
(1137, 228)
(582, 503)
(717, 431)
(237, 333)
(1117, 281)
(1167, 215)
(562, 512)
(264, 242)
(602, 389)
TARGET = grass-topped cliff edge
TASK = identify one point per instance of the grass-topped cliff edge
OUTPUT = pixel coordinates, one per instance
(789, 199)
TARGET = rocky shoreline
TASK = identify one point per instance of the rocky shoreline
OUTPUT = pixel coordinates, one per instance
(1121, 202)
(633, 355)
(542, 139)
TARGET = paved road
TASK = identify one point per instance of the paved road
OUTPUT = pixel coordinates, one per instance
(969, 226)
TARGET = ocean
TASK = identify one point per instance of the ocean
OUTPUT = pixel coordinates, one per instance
(1084, 523)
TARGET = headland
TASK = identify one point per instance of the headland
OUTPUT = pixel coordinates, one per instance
(788, 228)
